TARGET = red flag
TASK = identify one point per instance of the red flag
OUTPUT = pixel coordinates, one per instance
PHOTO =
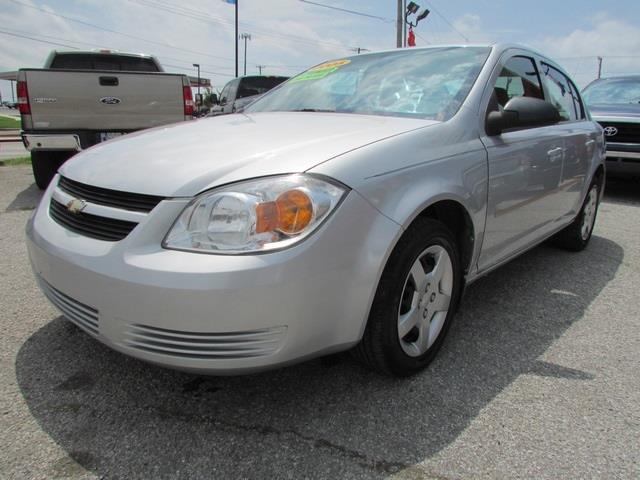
(411, 41)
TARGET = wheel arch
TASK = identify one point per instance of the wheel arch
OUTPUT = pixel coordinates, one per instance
(455, 216)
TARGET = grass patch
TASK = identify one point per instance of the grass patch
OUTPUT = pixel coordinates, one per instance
(9, 162)
(6, 122)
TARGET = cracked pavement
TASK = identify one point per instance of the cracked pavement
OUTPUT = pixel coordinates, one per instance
(538, 378)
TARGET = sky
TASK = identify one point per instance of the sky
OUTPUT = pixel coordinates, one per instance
(288, 36)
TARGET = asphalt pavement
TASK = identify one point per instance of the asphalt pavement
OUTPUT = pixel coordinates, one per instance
(539, 378)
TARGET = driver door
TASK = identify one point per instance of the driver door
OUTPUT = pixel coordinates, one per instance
(525, 168)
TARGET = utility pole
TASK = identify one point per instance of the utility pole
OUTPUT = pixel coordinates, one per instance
(197, 65)
(399, 24)
(260, 67)
(236, 4)
(599, 67)
(245, 37)
(404, 24)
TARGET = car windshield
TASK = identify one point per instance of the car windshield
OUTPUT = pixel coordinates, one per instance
(622, 91)
(250, 86)
(427, 83)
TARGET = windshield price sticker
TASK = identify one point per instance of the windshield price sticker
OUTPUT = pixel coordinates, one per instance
(320, 71)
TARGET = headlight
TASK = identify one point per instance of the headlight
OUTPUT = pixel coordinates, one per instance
(255, 216)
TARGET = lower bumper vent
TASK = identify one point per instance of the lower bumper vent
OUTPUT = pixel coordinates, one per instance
(231, 345)
(82, 315)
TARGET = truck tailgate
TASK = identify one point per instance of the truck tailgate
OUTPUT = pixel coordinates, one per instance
(103, 100)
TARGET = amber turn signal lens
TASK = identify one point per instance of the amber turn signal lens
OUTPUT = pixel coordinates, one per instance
(295, 211)
(291, 213)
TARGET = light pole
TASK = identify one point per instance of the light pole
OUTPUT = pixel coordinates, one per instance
(399, 24)
(599, 67)
(197, 65)
(245, 37)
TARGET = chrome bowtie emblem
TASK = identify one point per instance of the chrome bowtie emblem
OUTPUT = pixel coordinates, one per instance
(610, 131)
(76, 205)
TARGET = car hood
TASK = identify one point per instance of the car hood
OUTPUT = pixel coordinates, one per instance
(631, 110)
(186, 158)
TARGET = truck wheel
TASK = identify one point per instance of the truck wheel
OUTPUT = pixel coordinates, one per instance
(415, 301)
(46, 164)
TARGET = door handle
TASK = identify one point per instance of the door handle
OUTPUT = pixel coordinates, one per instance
(555, 154)
(109, 81)
(589, 143)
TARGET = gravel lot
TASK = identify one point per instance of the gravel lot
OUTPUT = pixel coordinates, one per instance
(540, 377)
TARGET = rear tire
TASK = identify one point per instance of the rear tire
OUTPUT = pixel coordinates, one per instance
(576, 236)
(415, 302)
(46, 164)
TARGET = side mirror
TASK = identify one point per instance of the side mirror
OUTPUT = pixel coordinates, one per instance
(522, 112)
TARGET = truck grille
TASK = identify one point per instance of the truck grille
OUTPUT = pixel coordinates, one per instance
(627, 132)
(111, 198)
(200, 345)
(94, 226)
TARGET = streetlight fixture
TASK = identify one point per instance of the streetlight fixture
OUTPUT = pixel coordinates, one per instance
(197, 65)
(245, 37)
(412, 9)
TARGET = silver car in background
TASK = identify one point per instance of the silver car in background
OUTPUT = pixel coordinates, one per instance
(346, 209)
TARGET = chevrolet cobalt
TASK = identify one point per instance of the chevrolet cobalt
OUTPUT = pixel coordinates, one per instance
(345, 209)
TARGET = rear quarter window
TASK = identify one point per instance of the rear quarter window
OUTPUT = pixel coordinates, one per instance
(103, 62)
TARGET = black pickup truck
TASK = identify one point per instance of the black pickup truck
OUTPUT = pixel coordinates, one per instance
(615, 104)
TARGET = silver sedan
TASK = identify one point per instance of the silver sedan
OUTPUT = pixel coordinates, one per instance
(346, 209)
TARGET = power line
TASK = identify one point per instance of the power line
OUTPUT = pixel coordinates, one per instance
(207, 18)
(345, 10)
(59, 40)
(178, 67)
(3, 32)
(76, 20)
(596, 56)
(437, 12)
(23, 34)
(41, 35)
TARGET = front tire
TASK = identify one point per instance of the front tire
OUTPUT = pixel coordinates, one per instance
(415, 301)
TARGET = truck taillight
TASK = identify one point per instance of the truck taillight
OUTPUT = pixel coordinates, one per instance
(188, 101)
(23, 98)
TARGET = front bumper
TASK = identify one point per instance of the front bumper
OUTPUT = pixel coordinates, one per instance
(35, 142)
(214, 313)
(623, 158)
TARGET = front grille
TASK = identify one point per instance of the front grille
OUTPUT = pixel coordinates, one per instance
(201, 345)
(627, 132)
(102, 228)
(82, 315)
(111, 198)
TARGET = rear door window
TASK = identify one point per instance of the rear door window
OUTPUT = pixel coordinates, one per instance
(562, 93)
(250, 86)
